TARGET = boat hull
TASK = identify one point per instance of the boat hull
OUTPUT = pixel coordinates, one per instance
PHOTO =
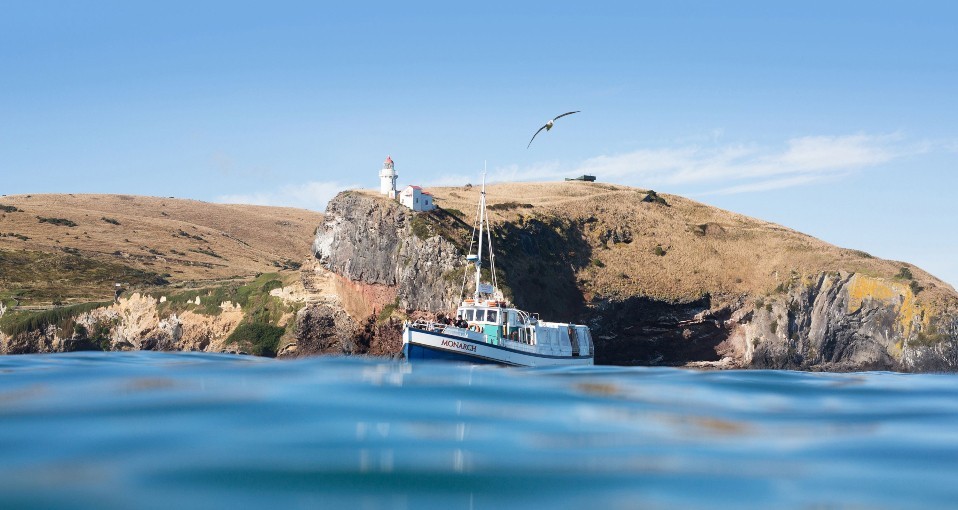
(421, 345)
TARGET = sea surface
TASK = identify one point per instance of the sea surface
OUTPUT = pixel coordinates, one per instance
(181, 430)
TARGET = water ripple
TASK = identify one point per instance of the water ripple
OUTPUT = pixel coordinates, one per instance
(152, 430)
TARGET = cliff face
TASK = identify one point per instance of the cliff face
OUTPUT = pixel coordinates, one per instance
(371, 242)
(551, 262)
(841, 320)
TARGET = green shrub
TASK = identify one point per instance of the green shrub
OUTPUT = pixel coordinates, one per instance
(57, 221)
(110, 220)
(420, 227)
(598, 263)
(9, 208)
(904, 274)
(386, 313)
(915, 288)
(654, 198)
(506, 206)
(211, 253)
(261, 338)
(658, 250)
(272, 284)
(183, 233)
(287, 264)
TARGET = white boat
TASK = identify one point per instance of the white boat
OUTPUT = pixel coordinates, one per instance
(488, 329)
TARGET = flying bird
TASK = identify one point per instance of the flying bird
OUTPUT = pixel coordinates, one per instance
(549, 125)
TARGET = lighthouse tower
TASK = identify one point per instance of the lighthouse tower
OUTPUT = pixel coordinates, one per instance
(387, 179)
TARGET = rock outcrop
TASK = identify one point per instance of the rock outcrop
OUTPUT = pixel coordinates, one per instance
(841, 321)
(325, 329)
(370, 241)
(133, 323)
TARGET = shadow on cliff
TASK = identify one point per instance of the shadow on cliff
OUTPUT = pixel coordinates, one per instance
(538, 259)
(644, 331)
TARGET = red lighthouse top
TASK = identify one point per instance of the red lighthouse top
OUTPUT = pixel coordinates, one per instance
(389, 160)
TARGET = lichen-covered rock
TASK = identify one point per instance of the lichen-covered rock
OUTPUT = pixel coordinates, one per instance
(847, 321)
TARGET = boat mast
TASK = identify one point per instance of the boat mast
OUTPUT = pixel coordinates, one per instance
(482, 215)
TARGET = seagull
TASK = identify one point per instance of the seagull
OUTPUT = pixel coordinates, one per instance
(549, 125)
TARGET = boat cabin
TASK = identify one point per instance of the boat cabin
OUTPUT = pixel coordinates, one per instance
(497, 321)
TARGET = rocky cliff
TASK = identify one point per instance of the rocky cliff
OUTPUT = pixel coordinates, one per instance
(371, 243)
(133, 323)
(660, 280)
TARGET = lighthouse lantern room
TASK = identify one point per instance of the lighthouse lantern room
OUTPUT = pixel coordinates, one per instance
(387, 179)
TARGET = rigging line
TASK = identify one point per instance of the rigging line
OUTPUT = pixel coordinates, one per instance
(472, 242)
(482, 221)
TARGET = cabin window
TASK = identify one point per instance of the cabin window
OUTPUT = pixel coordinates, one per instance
(492, 316)
(480, 315)
(467, 314)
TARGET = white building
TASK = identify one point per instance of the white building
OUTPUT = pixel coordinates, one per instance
(387, 179)
(416, 199)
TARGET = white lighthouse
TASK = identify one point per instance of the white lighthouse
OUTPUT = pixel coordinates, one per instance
(387, 178)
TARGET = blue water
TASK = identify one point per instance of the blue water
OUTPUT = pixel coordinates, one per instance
(160, 430)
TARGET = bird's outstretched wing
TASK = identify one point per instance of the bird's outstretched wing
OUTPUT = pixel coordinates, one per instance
(534, 136)
(564, 114)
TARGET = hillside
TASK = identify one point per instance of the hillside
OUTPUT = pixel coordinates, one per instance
(660, 279)
(68, 248)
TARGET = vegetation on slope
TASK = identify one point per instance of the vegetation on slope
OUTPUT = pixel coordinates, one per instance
(627, 242)
(28, 321)
(34, 277)
(261, 328)
(264, 320)
(185, 239)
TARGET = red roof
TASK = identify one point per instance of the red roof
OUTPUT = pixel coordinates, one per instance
(414, 186)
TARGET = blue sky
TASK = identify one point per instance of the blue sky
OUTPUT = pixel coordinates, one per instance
(833, 118)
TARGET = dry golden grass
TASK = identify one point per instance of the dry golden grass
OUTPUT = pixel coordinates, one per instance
(706, 250)
(188, 239)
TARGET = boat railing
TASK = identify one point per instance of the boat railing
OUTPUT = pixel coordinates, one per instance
(446, 329)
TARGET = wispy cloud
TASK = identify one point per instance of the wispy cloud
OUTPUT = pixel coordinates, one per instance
(733, 168)
(311, 195)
